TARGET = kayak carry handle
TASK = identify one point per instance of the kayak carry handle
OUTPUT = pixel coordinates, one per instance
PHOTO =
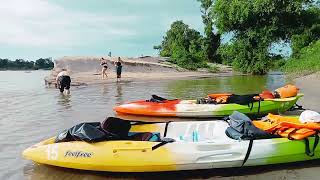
(163, 142)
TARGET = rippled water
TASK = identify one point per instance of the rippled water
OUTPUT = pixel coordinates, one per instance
(30, 112)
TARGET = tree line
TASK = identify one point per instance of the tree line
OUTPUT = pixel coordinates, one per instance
(253, 27)
(21, 64)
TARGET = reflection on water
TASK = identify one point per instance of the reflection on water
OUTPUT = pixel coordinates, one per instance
(236, 84)
(105, 89)
(30, 113)
(64, 100)
(119, 91)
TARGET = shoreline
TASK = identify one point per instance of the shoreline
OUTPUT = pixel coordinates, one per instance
(309, 85)
(88, 79)
(86, 71)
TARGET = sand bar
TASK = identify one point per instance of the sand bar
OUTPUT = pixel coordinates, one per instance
(87, 70)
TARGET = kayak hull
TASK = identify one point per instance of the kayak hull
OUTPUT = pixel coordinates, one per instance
(211, 149)
(189, 108)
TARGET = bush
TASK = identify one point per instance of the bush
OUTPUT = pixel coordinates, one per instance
(307, 62)
(245, 57)
(227, 53)
(187, 60)
(278, 64)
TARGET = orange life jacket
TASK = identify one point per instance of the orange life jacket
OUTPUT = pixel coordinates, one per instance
(220, 98)
(289, 127)
(287, 91)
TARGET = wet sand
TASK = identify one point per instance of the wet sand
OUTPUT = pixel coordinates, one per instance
(310, 86)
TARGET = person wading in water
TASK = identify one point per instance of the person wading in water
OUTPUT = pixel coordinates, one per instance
(63, 81)
(118, 65)
(104, 65)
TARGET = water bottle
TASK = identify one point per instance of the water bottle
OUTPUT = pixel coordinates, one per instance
(194, 137)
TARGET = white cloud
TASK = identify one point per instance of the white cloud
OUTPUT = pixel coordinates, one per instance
(39, 23)
(39, 28)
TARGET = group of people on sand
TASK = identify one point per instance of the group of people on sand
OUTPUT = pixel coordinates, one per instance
(63, 79)
(117, 64)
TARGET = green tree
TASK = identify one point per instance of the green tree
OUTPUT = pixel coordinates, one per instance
(4, 63)
(21, 64)
(183, 45)
(310, 30)
(211, 41)
(257, 24)
(44, 63)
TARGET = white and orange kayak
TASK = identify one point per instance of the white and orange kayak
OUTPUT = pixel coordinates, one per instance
(190, 108)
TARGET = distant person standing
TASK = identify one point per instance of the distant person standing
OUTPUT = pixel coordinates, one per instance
(118, 65)
(63, 81)
(104, 65)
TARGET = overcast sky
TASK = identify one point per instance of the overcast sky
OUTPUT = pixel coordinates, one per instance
(31, 29)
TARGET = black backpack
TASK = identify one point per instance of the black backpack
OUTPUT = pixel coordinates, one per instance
(242, 99)
(110, 129)
(116, 128)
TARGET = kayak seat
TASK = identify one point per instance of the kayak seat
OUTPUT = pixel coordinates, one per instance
(198, 131)
(205, 101)
(158, 99)
(144, 136)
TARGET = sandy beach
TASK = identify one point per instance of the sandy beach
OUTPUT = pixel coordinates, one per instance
(87, 70)
(310, 86)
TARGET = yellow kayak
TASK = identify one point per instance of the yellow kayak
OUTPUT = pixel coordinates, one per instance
(194, 145)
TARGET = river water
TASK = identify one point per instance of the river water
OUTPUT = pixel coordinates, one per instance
(30, 112)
